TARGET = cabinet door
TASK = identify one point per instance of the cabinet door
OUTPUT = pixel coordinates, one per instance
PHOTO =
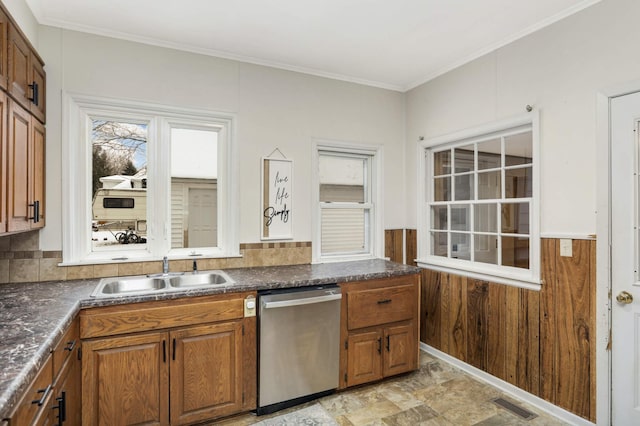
(38, 88)
(125, 380)
(400, 349)
(4, 38)
(19, 67)
(206, 372)
(364, 353)
(19, 135)
(3, 163)
(36, 174)
(67, 406)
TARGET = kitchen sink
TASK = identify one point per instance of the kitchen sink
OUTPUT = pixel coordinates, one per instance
(134, 285)
(140, 285)
(209, 278)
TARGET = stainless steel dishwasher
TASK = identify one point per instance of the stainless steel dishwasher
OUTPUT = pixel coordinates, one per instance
(299, 337)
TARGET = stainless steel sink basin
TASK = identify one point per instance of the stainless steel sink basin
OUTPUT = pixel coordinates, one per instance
(140, 285)
(206, 279)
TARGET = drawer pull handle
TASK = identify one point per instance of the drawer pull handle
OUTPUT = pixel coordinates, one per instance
(388, 342)
(379, 345)
(62, 408)
(384, 301)
(70, 346)
(44, 393)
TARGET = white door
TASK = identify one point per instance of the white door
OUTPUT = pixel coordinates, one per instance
(203, 217)
(625, 272)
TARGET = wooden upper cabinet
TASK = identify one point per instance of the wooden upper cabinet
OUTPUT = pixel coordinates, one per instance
(3, 163)
(4, 54)
(25, 170)
(26, 75)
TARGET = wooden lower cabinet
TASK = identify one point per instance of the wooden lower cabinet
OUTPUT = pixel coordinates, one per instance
(206, 372)
(54, 395)
(126, 380)
(180, 375)
(379, 328)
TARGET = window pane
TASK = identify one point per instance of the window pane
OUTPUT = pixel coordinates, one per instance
(460, 217)
(464, 159)
(119, 186)
(489, 154)
(442, 189)
(518, 149)
(343, 230)
(518, 183)
(439, 244)
(489, 185)
(342, 179)
(486, 249)
(442, 163)
(194, 188)
(515, 252)
(486, 217)
(439, 217)
(515, 218)
(464, 187)
(460, 246)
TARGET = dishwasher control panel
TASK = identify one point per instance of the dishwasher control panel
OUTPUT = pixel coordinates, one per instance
(250, 306)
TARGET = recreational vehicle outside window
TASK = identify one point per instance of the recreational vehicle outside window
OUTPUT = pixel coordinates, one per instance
(480, 214)
(129, 156)
(118, 203)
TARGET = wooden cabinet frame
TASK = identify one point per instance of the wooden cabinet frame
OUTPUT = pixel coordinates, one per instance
(379, 329)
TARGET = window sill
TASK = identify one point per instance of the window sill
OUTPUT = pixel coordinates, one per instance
(132, 259)
(520, 281)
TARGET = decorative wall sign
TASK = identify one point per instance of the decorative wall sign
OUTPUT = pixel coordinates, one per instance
(277, 184)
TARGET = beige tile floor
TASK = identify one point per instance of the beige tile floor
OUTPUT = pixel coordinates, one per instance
(436, 394)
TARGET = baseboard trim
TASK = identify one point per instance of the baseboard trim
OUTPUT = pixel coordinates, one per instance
(515, 391)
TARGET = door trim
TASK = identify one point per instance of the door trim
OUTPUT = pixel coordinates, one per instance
(603, 246)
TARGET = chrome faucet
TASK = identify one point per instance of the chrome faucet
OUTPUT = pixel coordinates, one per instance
(165, 265)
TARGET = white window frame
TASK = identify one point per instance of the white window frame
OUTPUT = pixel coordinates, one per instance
(527, 278)
(374, 231)
(78, 112)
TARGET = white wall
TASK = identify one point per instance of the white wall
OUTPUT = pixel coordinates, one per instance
(275, 109)
(23, 16)
(559, 70)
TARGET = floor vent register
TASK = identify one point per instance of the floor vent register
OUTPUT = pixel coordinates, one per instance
(514, 409)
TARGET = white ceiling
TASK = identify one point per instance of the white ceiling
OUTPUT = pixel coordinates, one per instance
(394, 44)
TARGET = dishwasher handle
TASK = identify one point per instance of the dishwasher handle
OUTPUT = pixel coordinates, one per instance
(301, 301)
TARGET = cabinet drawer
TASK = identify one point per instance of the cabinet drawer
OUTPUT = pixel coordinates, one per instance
(132, 318)
(36, 399)
(370, 307)
(65, 347)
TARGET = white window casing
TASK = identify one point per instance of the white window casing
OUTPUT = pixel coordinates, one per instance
(352, 230)
(78, 112)
(465, 216)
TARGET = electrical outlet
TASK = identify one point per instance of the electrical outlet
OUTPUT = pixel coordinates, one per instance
(566, 247)
(250, 306)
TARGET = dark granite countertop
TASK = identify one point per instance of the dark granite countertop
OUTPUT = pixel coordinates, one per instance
(33, 316)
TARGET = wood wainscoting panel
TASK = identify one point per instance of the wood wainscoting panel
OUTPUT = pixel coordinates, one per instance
(541, 341)
(477, 323)
(430, 309)
(574, 294)
(393, 245)
(497, 331)
(411, 246)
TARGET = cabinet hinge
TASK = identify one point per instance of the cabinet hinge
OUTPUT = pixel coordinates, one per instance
(80, 353)
(346, 344)
(345, 377)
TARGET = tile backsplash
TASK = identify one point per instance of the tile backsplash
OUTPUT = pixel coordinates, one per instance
(21, 260)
